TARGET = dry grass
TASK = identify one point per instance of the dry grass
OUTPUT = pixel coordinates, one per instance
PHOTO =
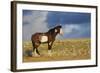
(69, 49)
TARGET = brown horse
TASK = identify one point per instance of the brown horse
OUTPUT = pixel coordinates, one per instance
(48, 37)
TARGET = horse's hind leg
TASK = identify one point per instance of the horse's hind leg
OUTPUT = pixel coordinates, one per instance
(37, 44)
(35, 50)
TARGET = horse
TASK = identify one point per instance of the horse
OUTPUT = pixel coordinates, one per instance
(47, 37)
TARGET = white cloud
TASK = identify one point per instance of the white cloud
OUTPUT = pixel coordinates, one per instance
(68, 28)
(35, 22)
(39, 21)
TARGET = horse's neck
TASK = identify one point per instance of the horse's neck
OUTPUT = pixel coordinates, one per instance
(52, 33)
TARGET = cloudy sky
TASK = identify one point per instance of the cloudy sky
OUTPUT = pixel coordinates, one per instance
(75, 24)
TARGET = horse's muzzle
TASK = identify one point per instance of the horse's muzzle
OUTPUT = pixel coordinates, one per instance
(61, 31)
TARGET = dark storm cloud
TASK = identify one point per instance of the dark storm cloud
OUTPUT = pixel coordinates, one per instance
(68, 18)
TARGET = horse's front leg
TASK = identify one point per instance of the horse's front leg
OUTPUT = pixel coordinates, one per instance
(49, 48)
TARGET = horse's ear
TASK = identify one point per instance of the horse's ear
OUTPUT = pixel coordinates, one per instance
(55, 30)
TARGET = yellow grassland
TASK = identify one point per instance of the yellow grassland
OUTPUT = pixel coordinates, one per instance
(67, 49)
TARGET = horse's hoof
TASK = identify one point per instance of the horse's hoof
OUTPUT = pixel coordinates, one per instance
(35, 55)
(38, 55)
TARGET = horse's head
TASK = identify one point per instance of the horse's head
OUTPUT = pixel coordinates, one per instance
(58, 29)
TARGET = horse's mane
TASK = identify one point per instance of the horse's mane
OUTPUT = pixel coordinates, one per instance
(52, 29)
